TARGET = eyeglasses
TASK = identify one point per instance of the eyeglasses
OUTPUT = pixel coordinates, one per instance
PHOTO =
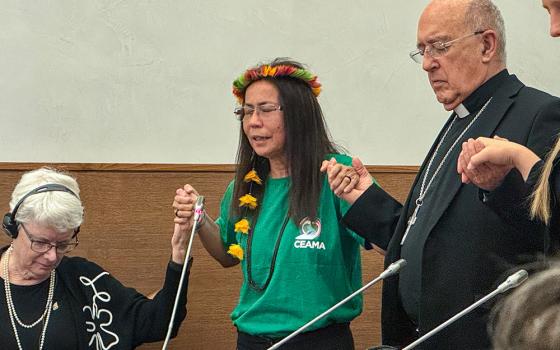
(262, 110)
(39, 246)
(438, 48)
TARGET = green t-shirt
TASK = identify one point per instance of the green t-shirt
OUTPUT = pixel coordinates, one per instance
(312, 272)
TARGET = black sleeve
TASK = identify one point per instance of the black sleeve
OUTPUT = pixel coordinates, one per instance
(151, 317)
(511, 200)
(374, 216)
(107, 312)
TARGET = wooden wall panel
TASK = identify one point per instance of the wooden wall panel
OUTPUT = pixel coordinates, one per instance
(128, 226)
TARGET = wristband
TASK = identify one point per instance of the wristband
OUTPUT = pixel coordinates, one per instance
(201, 221)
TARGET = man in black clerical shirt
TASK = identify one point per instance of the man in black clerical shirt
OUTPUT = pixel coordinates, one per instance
(457, 247)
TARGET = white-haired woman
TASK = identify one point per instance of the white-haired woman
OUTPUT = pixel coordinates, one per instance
(51, 301)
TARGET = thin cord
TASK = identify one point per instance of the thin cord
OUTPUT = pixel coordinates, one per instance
(197, 213)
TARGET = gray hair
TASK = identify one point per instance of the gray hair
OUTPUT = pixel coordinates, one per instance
(484, 15)
(529, 318)
(56, 209)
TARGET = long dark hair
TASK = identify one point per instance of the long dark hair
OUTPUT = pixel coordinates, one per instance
(307, 142)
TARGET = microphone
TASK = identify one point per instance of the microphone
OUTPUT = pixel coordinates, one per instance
(511, 282)
(393, 269)
(198, 212)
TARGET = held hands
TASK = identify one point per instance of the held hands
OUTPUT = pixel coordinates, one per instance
(346, 182)
(183, 205)
(485, 162)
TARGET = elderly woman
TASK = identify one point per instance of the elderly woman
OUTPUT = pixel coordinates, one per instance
(280, 219)
(51, 301)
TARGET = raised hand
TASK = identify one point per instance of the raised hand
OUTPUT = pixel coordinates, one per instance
(183, 205)
(347, 182)
(485, 162)
(500, 151)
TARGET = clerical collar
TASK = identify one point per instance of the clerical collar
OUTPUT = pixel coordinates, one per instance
(478, 98)
(461, 111)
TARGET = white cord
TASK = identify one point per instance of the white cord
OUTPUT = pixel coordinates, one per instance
(198, 211)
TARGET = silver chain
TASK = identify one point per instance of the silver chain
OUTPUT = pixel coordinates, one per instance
(424, 188)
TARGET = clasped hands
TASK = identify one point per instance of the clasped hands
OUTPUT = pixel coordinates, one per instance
(485, 162)
(347, 182)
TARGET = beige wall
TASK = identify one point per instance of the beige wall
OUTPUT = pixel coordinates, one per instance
(150, 81)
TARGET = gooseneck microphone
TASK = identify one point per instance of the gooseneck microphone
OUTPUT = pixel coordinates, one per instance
(511, 282)
(198, 212)
(393, 269)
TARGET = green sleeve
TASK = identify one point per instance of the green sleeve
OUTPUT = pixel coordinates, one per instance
(223, 221)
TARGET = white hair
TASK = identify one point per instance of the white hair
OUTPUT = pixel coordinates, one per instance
(484, 15)
(56, 209)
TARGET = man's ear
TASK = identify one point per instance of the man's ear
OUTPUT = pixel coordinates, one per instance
(489, 45)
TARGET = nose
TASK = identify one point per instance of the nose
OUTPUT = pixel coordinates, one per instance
(50, 254)
(555, 24)
(253, 120)
(428, 62)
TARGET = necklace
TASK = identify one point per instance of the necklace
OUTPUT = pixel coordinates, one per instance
(424, 188)
(252, 283)
(12, 310)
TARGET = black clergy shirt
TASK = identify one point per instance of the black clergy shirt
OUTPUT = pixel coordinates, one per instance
(410, 278)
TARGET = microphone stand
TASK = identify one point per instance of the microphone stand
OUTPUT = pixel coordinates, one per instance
(391, 270)
(512, 281)
(198, 209)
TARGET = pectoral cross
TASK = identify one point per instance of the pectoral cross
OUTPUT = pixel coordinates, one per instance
(412, 220)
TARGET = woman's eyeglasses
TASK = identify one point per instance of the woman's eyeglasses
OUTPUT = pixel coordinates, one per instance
(261, 110)
(40, 246)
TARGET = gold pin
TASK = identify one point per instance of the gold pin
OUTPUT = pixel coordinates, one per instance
(55, 306)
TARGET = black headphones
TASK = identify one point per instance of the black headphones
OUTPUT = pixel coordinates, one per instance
(10, 225)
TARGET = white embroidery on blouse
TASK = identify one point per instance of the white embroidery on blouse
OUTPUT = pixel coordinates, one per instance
(101, 319)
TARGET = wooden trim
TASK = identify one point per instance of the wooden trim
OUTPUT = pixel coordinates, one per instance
(122, 167)
(401, 169)
(154, 167)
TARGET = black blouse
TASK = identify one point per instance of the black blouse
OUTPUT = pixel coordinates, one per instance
(30, 302)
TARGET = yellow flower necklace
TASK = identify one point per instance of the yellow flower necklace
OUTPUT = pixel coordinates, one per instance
(243, 226)
(249, 202)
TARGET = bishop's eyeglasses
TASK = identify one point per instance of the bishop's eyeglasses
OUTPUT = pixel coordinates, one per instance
(438, 48)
